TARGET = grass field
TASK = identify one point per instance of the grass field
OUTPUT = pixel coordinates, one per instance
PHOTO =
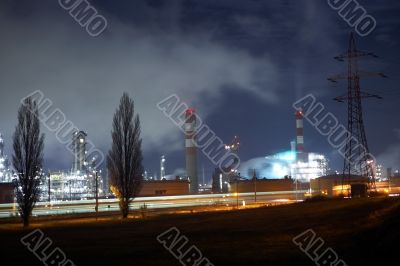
(361, 231)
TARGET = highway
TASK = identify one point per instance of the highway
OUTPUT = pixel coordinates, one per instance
(153, 203)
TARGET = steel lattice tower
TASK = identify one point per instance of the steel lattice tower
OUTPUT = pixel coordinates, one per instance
(358, 160)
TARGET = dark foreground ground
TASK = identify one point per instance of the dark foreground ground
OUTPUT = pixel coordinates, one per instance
(361, 231)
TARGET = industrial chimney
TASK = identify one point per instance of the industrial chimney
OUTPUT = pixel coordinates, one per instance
(300, 153)
(79, 150)
(191, 150)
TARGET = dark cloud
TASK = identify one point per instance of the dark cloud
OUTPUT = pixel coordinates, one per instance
(240, 64)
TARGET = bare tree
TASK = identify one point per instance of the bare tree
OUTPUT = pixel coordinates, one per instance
(28, 145)
(124, 161)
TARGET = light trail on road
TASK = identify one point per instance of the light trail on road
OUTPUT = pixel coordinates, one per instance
(159, 202)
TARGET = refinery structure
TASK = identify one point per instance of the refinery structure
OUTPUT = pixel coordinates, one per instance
(292, 169)
(296, 163)
(300, 164)
(5, 170)
(77, 183)
(80, 181)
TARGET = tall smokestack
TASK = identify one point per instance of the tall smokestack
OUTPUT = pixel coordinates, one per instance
(191, 150)
(301, 155)
(79, 150)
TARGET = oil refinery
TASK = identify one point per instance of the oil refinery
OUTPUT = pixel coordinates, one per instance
(292, 169)
(295, 163)
(5, 171)
(287, 170)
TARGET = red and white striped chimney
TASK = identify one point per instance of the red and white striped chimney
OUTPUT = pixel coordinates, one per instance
(300, 136)
(191, 150)
(299, 132)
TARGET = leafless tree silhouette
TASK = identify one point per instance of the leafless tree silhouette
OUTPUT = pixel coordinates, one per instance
(124, 161)
(28, 145)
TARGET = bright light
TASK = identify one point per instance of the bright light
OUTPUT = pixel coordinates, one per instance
(279, 170)
(281, 200)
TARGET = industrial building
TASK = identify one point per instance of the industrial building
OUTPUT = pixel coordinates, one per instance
(394, 184)
(7, 193)
(286, 163)
(264, 185)
(337, 185)
(164, 188)
(71, 186)
(80, 181)
(5, 171)
(354, 186)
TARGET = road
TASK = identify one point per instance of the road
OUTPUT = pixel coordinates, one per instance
(161, 202)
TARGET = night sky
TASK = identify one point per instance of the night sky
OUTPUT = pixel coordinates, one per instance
(241, 64)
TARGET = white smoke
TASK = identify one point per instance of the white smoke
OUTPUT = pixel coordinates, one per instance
(265, 168)
(177, 172)
(85, 76)
(390, 158)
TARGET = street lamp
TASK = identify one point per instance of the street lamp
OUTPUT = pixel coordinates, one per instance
(255, 185)
(70, 195)
(49, 190)
(237, 191)
(97, 193)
